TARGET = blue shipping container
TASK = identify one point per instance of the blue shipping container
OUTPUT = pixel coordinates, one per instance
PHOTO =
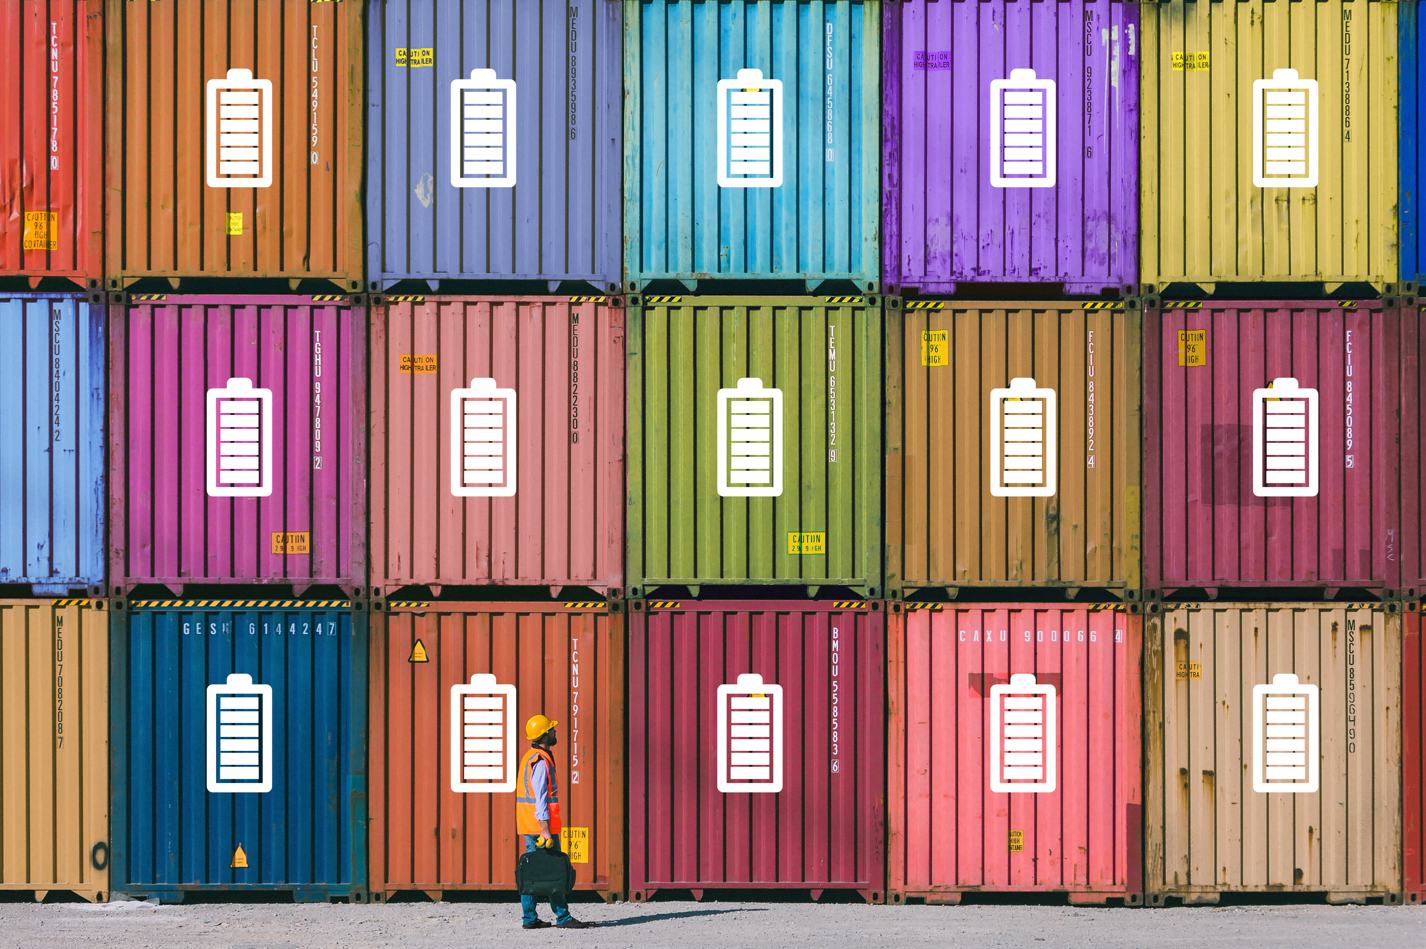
(52, 469)
(530, 189)
(238, 732)
(793, 93)
(1413, 81)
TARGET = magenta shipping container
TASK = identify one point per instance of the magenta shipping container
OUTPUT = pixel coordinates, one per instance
(237, 450)
(1413, 449)
(1010, 137)
(757, 746)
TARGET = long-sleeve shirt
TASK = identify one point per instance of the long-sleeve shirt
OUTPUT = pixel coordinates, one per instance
(540, 782)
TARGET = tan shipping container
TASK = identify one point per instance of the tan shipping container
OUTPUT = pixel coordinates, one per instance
(1327, 822)
(54, 747)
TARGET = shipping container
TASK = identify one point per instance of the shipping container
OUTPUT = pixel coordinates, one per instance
(52, 496)
(279, 87)
(1408, 540)
(437, 828)
(1413, 760)
(786, 492)
(1322, 209)
(959, 514)
(1413, 169)
(1061, 810)
(239, 755)
(713, 188)
(284, 506)
(1273, 751)
(756, 746)
(544, 204)
(1226, 503)
(52, 144)
(54, 747)
(547, 508)
(960, 206)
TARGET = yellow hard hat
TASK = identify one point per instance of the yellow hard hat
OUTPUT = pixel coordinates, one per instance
(537, 726)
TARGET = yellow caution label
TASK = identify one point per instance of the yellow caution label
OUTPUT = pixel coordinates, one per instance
(416, 57)
(575, 842)
(1189, 670)
(240, 859)
(412, 363)
(1017, 841)
(1189, 62)
(41, 230)
(235, 223)
(813, 542)
(1193, 347)
(292, 542)
(936, 347)
(418, 653)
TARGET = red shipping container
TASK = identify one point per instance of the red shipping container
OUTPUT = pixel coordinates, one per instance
(1075, 825)
(1413, 452)
(557, 519)
(808, 812)
(1413, 756)
(52, 139)
(193, 499)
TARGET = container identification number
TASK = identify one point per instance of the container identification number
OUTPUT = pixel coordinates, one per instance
(1351, 396)
(1351, 686)
(1346, 75)
(574, 379)
(314, 94)
(573, 70)
(831, 393)
(574, 712)
(831, 152)
(1089, 406)
(836, 698)
(316, 404)
(59, 679)
(55, 378)
(290, 628)
(1056, 635)
(54, 99)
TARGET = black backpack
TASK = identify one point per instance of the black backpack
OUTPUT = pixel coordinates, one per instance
(544, 872)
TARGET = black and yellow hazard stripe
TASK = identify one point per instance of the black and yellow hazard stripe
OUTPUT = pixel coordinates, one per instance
(664, 605)
(591, 605)
(926, 607)
(925, 304)
(406, 299)
(1182, 305)
(330, 298)
(1346, 304)
(843, 299)
(590, 299)
(663, 299)
(239, 604)
(408, 605)
(1103, 305)
(72, 602)
(148, 297)
(849, 604)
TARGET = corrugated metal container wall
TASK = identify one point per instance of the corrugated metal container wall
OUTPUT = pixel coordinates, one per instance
(51, 139)
(560, 218)
(1413, 169)
(560, 520)
(174, 209)
(945, 524)
(821, 61)
(819, 822)
(953, 831)
(188, 815)
(1334, 825)
(1206, 523)
(821, 356)
(427, 836)
(1408, 540)
(52, 495)
(1075, 220)
(1413, 763)
(54, 747)
(1204, 219)
(303, 359)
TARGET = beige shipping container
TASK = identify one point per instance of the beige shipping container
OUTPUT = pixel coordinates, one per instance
(1209, 830)
(1205, 221)
(54, 747)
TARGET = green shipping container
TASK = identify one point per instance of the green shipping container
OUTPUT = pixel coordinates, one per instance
(754, 442)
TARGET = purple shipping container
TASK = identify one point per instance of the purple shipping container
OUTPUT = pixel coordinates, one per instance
(1052, 201)
(237, 448)
(1413, 449)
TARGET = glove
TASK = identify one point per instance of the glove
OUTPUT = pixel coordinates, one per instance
(543, 841)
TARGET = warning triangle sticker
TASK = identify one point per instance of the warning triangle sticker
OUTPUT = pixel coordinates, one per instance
(418, 654)
(240, 859)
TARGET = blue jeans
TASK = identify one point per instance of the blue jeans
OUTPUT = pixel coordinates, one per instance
(560, 907)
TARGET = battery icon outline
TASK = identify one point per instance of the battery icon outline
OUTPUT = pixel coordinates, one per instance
(1288, 701)
(1011, 699)
(1269, 405)
(735, 98)
(1015, 401)
(1015, 118)
(479, 405)
(749, 390)
(488, 104)
(227, 442)
(1281, 97)
(231, 707)
(474, 718)
(230, 120)
(752, 696)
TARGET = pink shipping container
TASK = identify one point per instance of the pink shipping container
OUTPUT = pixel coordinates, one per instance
(546, 374)
(804, 809)
(1075, 826)
(190, 504)
(1413, 453)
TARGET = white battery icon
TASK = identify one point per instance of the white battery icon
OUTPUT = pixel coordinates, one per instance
(1286, 747)
(483, 441)
(1022, 441)
(483, 736)
(1285, 131)
(1285, 441)
(750, 736)
(239, 420)
(750, 131)
(239, 736)
(239, 128)
(750, 441)
(1022, 131)
(483, 131)
(1022, 736)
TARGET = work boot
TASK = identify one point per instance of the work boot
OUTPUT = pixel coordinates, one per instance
(573, 923)
(537, 924)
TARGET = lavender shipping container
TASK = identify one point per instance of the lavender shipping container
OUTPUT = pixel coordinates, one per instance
(956, 214)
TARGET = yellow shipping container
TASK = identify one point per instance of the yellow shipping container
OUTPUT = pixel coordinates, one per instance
(1205, 219)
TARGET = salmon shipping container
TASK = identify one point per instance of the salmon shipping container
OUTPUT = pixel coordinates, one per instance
(51, 140)
(523, 181)
(249, 466)
(1413, 761)
(234, 141)
(757, 747)
(752, 141)
(497, 428)
(754, 442)
(54, 747)
(239, 758)
(1273, 751)
(1413, 168)
(1413, 447)
(1013, 745)
(1011, 145)
(1270, 143)
(440, 820)
(1012, 446)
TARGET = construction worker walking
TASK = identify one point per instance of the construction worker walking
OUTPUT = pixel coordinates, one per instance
(537, 815)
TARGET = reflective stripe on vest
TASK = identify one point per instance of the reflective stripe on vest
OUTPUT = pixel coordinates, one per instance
(526, 771)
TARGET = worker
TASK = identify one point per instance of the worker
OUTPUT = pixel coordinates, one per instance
(537, 814)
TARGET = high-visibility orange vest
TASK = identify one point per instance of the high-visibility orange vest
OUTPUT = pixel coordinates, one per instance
(525, 822)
